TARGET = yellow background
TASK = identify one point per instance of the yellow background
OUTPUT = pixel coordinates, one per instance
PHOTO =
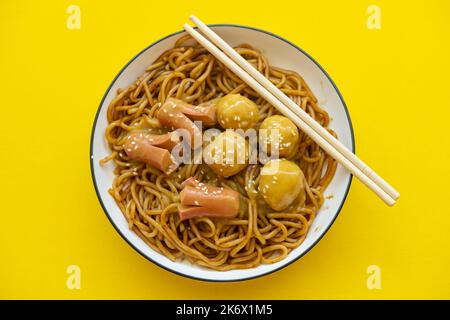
(394, 81)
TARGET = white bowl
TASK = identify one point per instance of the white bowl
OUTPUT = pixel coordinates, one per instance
(281, 53)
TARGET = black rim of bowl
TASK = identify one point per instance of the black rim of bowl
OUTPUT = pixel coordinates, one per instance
(163, 266)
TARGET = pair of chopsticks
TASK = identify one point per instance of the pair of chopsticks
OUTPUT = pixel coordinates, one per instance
(253, 78)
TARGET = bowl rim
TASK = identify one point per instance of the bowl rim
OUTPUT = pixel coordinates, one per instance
(91, 157)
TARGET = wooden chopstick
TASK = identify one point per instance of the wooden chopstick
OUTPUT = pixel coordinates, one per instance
(237, 58)
(269, 97)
